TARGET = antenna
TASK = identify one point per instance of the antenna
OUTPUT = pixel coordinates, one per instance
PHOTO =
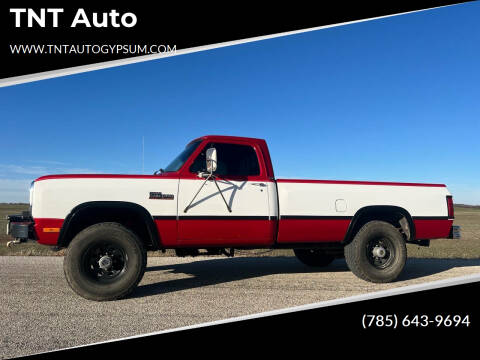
(143, 154)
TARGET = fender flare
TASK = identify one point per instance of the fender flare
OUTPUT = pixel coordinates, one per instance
(144, 214)
(382, 209)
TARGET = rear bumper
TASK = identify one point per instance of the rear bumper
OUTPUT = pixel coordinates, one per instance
(454, 232)
(20, 226)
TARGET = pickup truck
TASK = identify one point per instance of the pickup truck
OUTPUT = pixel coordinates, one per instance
(220, 194)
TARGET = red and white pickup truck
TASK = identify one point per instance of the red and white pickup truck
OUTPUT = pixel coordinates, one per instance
(220, 194)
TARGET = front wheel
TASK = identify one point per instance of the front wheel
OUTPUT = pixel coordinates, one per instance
(313, 257)
(377, 253)
(105, 261)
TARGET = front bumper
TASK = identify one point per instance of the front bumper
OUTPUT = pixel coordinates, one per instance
(20, 226)
(454, 232)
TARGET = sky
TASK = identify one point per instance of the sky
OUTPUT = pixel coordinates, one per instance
(393, 99)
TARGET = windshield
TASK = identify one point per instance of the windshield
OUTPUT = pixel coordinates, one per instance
(178, 162)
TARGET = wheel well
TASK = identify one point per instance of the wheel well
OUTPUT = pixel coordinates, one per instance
(397, 216)
(130, 215)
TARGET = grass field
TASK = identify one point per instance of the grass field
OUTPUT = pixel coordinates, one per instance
(468, 247)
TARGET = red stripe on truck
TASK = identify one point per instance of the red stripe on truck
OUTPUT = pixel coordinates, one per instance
(47, 237)
(340, 182)
(312, 230)
(107, 176)
(432, 228)
(167, 230)
(224, 232)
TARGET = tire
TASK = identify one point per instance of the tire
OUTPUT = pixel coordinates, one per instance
(105, 261)
(364, 254)
(313, 257)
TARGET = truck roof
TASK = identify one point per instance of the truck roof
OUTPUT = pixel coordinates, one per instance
(228, 138)
(261, 143)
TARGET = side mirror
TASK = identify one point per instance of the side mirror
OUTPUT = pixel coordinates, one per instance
(211, 156)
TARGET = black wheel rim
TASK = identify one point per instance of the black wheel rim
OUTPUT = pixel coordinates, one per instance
(380, 252)
(104, 262)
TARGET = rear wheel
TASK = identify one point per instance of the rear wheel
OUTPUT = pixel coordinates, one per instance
(313, 257)
(377, 253)
(105, 261)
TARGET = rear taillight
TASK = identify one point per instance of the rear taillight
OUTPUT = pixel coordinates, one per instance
(450, 207)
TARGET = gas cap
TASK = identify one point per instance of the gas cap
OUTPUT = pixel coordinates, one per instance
(340, 205)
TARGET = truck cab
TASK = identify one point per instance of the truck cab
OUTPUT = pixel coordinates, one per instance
(244, 177)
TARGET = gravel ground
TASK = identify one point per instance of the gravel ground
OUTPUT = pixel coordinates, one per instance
(39, 312)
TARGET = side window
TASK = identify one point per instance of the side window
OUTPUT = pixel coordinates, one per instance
(233, 160)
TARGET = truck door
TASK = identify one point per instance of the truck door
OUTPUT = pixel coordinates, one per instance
(241, 178)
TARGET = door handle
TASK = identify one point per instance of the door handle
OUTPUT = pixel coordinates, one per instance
(258, 184)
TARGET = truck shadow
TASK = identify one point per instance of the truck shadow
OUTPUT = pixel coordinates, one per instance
(221, 270)
(418, 268)
(224, 270)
